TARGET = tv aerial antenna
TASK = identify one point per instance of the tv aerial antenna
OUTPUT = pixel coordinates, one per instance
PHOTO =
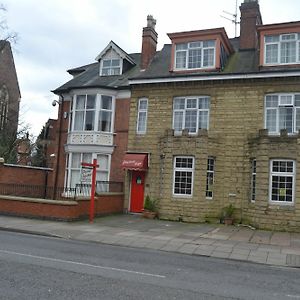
(233, 18)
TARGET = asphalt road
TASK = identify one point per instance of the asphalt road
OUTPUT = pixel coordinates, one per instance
(36, 267)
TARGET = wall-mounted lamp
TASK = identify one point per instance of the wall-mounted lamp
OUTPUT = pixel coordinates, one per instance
(54, 102)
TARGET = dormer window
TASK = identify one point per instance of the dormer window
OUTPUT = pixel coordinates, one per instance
(114, 61)
(111, 67)
(199, 50)
(282, 49)
(195, 55)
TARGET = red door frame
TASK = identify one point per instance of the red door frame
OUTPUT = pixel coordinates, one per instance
(137, 191)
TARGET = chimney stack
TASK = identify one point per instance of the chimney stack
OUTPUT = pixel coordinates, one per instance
(250, 17)
(149, 42)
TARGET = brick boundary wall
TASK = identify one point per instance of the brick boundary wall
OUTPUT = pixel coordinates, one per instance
(15, 174)
(70, 210)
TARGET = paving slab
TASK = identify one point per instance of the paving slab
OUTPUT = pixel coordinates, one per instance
(243, 252)
(290, 250)
(248, 246)
(281, 239)
(243, 235)
(199, 251)
(238, 256)
(172, 247)
(293, 260)
(203, 241)
(220, 254)
(269, 248)
(261, 237)
(187, 248)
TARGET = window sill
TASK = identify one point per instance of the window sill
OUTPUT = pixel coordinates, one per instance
(182, 197)
(281, 205)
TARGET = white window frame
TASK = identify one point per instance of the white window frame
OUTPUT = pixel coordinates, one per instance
(281, 103)
(111, 68)
(186, 108)
(281, 40)
(70, 168)
(253, 180)
(282, 174)
(181, 169)
(190, 46)
(98, 108)
(141, 111)
(208, 173)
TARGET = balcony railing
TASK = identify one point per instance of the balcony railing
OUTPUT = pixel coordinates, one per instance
(91, 138)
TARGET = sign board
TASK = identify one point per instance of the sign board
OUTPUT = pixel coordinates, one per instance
(86, 175)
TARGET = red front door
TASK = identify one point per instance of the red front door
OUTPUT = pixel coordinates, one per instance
(137, 191)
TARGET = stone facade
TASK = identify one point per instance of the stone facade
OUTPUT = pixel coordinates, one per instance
(234, 138)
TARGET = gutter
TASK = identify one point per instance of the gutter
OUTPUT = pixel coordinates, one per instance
(213, 77)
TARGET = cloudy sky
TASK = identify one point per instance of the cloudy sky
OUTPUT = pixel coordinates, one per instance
(56, 35)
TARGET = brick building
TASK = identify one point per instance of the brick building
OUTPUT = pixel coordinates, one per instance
(215, 121)
(93, 115)
(9, 90)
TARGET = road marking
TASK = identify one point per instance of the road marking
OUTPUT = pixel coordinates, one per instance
(82, 264)
(294, 296)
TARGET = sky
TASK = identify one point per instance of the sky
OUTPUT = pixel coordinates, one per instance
(56, 35)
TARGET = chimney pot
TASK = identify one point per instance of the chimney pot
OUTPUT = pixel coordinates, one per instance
(151, 22)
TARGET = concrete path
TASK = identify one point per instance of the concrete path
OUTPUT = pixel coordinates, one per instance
(230, 242)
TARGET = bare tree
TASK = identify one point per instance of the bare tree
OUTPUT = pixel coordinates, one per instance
(5, 32)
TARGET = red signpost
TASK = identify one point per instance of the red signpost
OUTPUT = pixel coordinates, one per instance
(92, 166)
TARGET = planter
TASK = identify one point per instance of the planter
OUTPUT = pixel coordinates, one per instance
(228, 221)
(149, 214)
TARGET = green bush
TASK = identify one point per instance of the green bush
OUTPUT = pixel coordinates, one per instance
(150, 204)
(228, 211)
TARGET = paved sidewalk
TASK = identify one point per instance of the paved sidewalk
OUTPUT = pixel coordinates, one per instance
(230, 242)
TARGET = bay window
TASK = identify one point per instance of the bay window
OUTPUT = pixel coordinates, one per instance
(92, 113)
(282, 111)
(195, 55)
(282, 49)
(191, 113)
(76, 175)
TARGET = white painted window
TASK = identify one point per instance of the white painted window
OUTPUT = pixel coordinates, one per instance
(282, 49)
(76, 175)
(183, 175)
(92, 113)
(195, 55)
(105, 114)
(253, 180)
(282, 111)
(111, 67)
(142, 116)
(282, 180)
(191, 113)
(210, 177)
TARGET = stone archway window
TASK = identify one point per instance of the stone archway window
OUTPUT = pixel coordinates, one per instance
(3, 106)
